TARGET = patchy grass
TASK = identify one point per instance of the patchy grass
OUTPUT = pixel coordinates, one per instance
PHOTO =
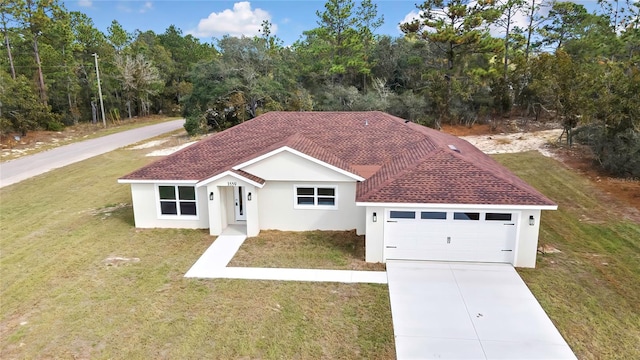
(79, 281)
(591, 289)
(342, 250)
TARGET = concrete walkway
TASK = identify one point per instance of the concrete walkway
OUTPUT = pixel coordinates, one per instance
(14, 171)
(213, 265)
(468, 311)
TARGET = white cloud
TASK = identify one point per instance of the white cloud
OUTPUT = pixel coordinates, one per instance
(413, 15)
(146, 7)
(85, 3)
(241, 20)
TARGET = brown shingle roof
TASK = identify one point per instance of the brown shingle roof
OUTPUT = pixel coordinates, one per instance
(401, 162)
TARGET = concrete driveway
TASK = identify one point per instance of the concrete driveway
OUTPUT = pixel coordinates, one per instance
(14, 171)
(468, 311)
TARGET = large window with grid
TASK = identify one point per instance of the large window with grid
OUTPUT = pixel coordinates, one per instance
(177, 200)
(315, 197)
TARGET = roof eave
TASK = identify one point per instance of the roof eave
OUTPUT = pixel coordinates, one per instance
(458, 206)
(156, 181)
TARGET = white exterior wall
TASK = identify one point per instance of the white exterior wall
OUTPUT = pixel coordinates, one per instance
(276, 209)
(527, 239)
(146, 210)
(374, 236)
(282, 171)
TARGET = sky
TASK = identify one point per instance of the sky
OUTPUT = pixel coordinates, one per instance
(208, 19)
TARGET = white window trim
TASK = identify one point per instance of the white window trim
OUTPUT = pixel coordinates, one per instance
(315, 197)
(177, 216)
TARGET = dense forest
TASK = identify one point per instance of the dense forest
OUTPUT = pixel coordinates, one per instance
(460, 62)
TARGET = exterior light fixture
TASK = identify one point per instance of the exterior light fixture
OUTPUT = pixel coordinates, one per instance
(531, 220)
(375, 217)
(248, 196)
(211, 195)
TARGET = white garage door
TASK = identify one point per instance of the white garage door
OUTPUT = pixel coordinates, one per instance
(450, 235)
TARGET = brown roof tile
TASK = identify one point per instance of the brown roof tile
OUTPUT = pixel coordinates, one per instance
(401, 162)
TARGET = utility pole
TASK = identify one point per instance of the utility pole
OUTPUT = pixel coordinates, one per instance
(104, 120)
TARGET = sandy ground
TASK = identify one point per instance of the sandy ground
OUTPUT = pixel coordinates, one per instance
(516, 142)
(169, 150)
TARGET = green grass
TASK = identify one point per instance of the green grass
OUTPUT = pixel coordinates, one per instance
(339, 250)
(591, 290)
(60, 299)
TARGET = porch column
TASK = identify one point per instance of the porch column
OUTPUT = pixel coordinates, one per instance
(215, 209)
(253, 217)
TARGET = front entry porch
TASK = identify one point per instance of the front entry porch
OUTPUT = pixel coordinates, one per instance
(233, 207)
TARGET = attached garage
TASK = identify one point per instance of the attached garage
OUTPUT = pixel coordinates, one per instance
(450, 235)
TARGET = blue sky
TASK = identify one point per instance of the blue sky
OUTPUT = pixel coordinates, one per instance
(208, 19)
(213, 18)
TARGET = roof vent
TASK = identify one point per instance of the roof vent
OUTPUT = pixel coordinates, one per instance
(366, 122)
(454, 148)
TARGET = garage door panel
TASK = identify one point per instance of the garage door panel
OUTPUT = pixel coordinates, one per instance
(422, 254)
(470, 237)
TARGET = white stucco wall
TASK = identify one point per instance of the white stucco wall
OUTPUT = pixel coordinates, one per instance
(282, 171)
(147, 214)
(276, 209)
(527, 239)
(374, 234)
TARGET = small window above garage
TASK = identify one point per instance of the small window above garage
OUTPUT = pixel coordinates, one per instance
(497, 217)
(402, 214)
(466, 216)
(433, 215)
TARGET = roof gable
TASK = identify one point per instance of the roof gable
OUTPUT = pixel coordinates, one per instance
(287, 164)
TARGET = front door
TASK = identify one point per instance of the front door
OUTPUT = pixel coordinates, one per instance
(239, 198)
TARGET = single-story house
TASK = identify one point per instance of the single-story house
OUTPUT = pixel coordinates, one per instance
(414, 192)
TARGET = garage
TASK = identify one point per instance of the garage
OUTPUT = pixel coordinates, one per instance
(450, 235)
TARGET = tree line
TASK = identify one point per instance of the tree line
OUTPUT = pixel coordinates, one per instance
(458, 62)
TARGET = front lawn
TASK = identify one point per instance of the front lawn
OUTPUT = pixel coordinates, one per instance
(340, 250)
(77, 280)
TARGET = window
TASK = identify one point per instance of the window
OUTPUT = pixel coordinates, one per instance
(497, 217)
(177, 200)
(466, 216)
(433, 215)
(402, 214)
(315, 196)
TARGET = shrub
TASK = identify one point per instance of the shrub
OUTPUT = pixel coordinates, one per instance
(55, 125)
(196, 124)
(618, 151)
